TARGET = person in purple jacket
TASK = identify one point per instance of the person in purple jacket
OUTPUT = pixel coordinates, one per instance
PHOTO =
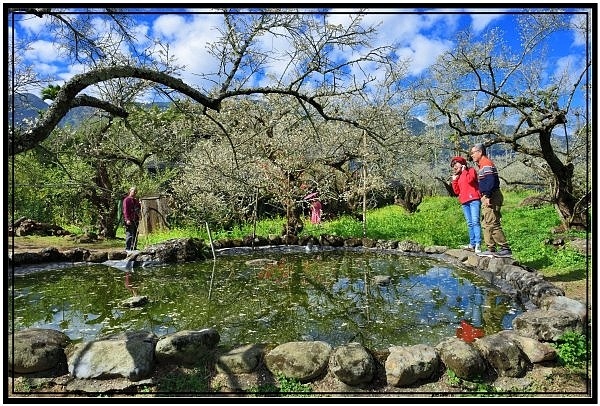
(131, 217)
(466, 187)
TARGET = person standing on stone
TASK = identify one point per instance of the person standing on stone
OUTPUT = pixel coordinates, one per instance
(131, 217)
(466, 187)
(491, 203)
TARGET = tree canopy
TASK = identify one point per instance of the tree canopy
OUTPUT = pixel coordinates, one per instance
(325, 101)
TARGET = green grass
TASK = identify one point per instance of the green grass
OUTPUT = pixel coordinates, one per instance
(196, 380)
(285, 387)
(438, 221)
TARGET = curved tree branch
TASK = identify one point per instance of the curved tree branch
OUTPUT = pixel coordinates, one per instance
(26, 140)
(89, 101)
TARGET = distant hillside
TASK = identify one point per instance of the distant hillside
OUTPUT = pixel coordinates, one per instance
(416, 126)
(28, 106)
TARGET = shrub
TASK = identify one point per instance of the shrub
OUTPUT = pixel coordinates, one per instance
(572, 350)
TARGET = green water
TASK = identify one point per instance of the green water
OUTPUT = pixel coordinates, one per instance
(327, 296)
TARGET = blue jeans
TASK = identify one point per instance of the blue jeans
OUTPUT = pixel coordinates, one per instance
(471, 211)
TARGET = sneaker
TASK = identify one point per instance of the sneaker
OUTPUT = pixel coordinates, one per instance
(467, 247)
(477, 249)
(503, 253)
(486, 254)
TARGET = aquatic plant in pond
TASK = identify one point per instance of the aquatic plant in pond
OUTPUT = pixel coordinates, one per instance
(377, 299)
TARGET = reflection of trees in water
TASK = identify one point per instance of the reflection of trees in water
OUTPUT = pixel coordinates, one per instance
(499, 311)
(324, 296)
(66, 296)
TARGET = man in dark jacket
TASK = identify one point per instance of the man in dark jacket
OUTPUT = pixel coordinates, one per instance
(491, 203)
(131, 216)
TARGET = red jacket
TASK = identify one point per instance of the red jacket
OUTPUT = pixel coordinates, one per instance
(466, 186)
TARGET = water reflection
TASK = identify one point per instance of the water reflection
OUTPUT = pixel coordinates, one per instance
(376, 299)
(129, 283)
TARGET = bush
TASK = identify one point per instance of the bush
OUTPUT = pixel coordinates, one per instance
(572, 349)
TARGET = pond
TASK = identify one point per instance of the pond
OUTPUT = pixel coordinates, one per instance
(338, 296)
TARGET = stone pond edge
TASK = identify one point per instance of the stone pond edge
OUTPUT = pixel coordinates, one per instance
(538, 296)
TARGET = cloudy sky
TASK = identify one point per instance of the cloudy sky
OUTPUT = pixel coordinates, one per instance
(420, 35)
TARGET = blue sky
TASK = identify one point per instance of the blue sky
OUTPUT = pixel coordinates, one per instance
(419, 34)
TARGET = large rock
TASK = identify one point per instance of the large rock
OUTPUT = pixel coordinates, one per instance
(535, 351)
(504, 356)
(462, 358)
(36, 350)
(240, 360)
(303, 360)
(187, 347)
(176, 250)
(546, 325)
(352, 364)
(407, 365)
(129, 355)
(565, 304)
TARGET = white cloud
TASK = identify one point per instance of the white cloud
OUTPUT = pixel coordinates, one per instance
(276, 46)
(579, 20)
(46, 69)
(425, 51)
(72, 70)
(169, 26)
(420, 37)
(480, 21)
(43, 52)
(32, 24)
(569, 66)
(188, 37)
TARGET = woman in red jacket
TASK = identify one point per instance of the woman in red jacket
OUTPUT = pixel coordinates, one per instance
(466, 187)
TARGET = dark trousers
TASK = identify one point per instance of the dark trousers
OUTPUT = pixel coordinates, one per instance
(131, 236)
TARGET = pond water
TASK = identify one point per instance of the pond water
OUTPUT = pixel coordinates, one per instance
(328, 295)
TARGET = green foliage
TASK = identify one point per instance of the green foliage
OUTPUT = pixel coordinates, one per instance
(344, 226)
(572, 349)
(161, 236)
(196, 381)
(50, 92)
(453, 379)
(26, 384)
(527, 230)
(267, 389)
(285, 387)
(292, 385)
(477, 385)
(263, 228)
(40, 190)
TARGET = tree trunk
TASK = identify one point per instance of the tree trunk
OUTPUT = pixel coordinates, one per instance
(153, 214)
(102, 199)
(413, 196)
(572, 213)
(447, 186)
